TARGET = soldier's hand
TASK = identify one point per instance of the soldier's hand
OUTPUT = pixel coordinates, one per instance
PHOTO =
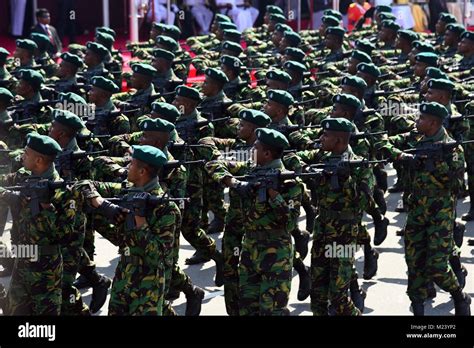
(272, 193)
(406, 157)
(112, 211)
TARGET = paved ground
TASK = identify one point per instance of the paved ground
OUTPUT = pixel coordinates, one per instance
(385, 292)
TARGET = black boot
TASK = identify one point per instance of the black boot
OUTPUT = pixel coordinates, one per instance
(194, 297)
(310, 216)
(470, 242)
(301, 242)
(418, 308)
(396, 188)
(459, 270)
(370, 262)
(380, 231)
(430, 288)
(99, 293)
(219, 260)
(196, 259)
(358, 295)
(470, 215)
(305, 280)
(380, 200)
(401, 232)
(216, 226)
(462, 302)
(458, 233)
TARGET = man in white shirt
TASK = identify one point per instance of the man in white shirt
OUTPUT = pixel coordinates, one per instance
(201, 13)
(241, 12)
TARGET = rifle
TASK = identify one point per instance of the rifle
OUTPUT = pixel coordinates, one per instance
(64, 161)
(99, 123)
(141, 203)
(380, 93)
(37, 189)
(7, 124)
(434, 152)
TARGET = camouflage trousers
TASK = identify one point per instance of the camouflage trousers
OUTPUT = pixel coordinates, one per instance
(35, 288)
(137, 289)
(231, 249)
(72, 300)
(265, 272)
(331, 274)
(429, 243)
(213, 200)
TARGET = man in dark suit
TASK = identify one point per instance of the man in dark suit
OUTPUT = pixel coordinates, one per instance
(43, 27)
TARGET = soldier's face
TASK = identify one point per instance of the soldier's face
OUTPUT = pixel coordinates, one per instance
(437, 95)
(274, 84)
(322, 29)
(208, 87)
(328, 140)
(133, 171)
(283, 44)
(246, 129)
(20, 53)
(450, 38)
(424, 84)
(153, 33)
(29, 158)
(90, 58)
(261, 155)
(440, 27)
(352, 66)
(351, 90)
(94, 94)
(465, 46)
(228, 72)
(55, 131)
(271, 108)
(23, 88)
(338, 111)
(276, 37)
(412, 55)
(420, 69)
(153, 138)
(423, 124)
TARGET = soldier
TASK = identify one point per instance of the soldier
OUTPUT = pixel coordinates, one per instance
(443, 20)
(466, 49)
(42, 57)
(66, 75)
(267, 252)
(4, 74)
(94, 60)
(35, 288)
(186, 101)
(231, 66)
(100, 95)
(165, 80)
(452, 37)
(433, 186)
(24, 54)
(139, 282)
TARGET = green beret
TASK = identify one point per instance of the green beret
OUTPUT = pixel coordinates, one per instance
(43, 144)
(168, 42)
(278, 75)
(3, 54)
(383, 8)
(443, 84)
(274, 9)
(333, 13)
(387, 16)
(369, 68)
(295, 66)
(361, 56)
(41, 40)
(226, 26)
(294, 39)
(338, 31)
(72, 59)
(232, 46)
(217, 75)
(281, 97)
(68, 119)
(172, 31)
(106, 30)
(295, 52)
(256, 117)
(354, 81)
(338, 124)
(72, 98)
(5, 94)
(447, 18)
(272, 138)
(150, 155)
(456, 28)
(166, 111)
(222, 18)
(161, 53)
(105, 39)
(144, 69)
(282, 27)
(469, 35)
(347, 99)
(408, 35)
(365, 45)
(278, 18)
(26, 44)
(435, 73)
(98, 49)
(105, 84)
(34, 78)
(188, 92)
(232, 34)
(389, 24)
(330, 21)
(156, 125)
(158, 26)
(434, 109)
(231, 62)
(427, 58)
(423, 46)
